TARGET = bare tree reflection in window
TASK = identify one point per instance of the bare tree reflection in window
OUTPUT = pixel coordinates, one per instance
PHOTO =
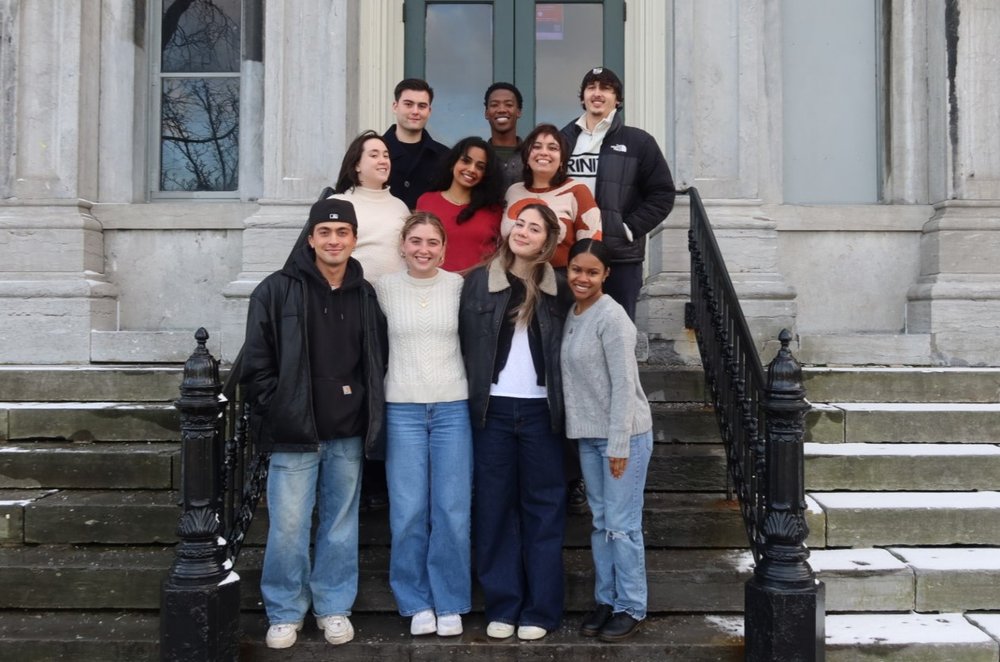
(200, 115)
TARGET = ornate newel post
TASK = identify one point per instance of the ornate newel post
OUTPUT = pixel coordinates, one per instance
(784, 601)
(200, 599)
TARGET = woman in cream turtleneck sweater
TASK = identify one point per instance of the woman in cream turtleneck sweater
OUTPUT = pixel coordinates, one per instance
(364, 182)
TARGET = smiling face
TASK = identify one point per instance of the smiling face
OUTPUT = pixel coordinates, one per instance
(412, 110)
(544, 158)
(374, 165)
(586, 275)
(527, 237)
(333, 242)
(470, 168)
(599, 99)
(502, 112)
(423, 250)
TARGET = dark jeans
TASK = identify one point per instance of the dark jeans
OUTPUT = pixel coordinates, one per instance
(519, 513)
(624, 284)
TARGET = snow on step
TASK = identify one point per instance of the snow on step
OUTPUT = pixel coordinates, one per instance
(901, 450)
(954, 578)
(863, 580)
(907, 637)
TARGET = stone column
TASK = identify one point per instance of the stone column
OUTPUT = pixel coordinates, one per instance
(957, 295)
(310, 84)
(726, 106)
(52, 286)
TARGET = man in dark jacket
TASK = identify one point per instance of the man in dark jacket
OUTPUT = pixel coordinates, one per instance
(630, 179)
(313, 365)
(415, 155)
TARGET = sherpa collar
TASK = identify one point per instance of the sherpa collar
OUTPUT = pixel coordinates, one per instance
(498, 282)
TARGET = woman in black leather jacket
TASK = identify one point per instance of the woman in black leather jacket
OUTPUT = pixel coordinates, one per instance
(511, 320)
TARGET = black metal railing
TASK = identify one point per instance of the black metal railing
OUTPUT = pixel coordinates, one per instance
(761, 418)
(223, 472)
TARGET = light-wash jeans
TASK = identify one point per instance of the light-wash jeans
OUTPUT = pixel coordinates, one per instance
(429, 469)
(616, 541)
(288, 582)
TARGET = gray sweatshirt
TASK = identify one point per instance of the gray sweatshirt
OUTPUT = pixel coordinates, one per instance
(601, 389)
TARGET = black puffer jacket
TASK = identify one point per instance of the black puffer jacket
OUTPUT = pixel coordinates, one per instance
(276, 366)
(634, 187)
(485, 294)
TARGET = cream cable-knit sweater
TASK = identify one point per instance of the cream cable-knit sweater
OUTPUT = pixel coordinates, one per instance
(380, 220)
(425, 358)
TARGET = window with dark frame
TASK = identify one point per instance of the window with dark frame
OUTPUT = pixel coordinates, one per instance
(199, 96)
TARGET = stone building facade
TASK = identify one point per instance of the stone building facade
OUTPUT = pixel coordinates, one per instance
(876, 239)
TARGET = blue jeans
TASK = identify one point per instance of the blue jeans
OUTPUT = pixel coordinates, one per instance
(428, 464)
(520, 513)
(288, 581)
(616, 541)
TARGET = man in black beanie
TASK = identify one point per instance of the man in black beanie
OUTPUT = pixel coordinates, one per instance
(313, 365)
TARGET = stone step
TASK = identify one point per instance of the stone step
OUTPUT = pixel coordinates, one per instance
(114, 636)
(671, 519)
(880, 384)
(954, 578)
(101, 636)
(90, 383)
(846, 384)
(123, 465)
(940, 422)
(89, 577)
(901, 466)
(680, 580)
(89, 421)
(875, 519)
(909, 638)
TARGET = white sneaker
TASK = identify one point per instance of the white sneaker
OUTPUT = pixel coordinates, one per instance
(499, 630)
(337, 629)
(282, 635)
(423, 622)
(530, 632)
(449, 625)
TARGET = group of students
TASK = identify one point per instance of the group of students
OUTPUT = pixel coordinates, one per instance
(468, 343)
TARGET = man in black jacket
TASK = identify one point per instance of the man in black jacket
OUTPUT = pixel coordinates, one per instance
(626, 172)
(313, 365)
(415, 155)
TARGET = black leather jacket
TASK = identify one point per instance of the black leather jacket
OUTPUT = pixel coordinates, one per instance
(276, 367)
(634, 187)
(484, 299)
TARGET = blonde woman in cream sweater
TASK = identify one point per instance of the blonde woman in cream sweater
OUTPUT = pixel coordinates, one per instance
(429, 437)
(364, 182)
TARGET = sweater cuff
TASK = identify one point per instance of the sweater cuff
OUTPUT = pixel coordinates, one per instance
(619, 444)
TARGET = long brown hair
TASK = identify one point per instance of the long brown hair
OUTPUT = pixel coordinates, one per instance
(524, 313)
(348, 177)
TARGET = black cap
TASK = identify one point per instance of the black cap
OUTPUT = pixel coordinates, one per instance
(604, 76)
(332, 210)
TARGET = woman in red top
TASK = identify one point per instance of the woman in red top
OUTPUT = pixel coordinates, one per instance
(467, 196)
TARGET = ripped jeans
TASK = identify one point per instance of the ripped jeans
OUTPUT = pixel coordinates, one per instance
(616, 541)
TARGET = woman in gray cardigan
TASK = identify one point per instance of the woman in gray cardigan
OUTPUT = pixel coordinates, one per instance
(607, 412)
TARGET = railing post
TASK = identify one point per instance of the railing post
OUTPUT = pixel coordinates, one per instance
(200, 599)
(784, 601)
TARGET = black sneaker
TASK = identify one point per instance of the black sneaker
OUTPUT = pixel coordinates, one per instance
(576, 497)
(595, 620)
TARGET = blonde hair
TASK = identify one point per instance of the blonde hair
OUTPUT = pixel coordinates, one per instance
(524, 313)
(423, 218)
